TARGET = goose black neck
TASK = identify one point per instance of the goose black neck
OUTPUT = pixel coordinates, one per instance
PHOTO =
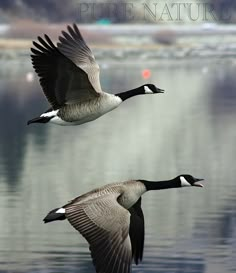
(161, 185)
(133, 92)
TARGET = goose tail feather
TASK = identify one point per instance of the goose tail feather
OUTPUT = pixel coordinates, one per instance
(54, 215)
(39, 120)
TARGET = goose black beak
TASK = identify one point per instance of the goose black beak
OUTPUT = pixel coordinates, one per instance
(197, 184)
(158, 90)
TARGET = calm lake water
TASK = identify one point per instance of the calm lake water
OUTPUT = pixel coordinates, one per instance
(189, 129)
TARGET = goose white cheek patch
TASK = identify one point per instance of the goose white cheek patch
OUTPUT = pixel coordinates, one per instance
(184, 182)
(147, 90)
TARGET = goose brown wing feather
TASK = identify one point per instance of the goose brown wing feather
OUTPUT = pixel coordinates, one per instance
(73, 46)
(105, 225)
(62, 81)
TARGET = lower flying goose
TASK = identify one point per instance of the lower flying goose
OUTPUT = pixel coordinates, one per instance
(111, 220)
(69, 76)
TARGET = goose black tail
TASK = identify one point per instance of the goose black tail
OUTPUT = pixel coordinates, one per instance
(39, 120)
(54, 216)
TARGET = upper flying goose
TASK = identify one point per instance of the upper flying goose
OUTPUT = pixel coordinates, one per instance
(111, 220)
(69, 76)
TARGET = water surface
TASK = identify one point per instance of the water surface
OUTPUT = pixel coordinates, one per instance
(189, 129)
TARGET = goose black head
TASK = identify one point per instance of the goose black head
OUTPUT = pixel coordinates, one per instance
(188, 180)
(151, 89)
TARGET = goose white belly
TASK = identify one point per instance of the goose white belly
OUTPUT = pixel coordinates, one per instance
(75, 114)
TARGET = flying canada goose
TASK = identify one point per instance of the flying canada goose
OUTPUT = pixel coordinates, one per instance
(69, 76)
(111, 220)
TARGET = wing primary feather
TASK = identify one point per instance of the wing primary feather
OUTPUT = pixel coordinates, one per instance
(43, 49)
(76, 29)
(62, 40)
(67, 36)
(114, 266)
(112, 251)
(78, 33)
(41, 40)
(36, 52)
(49, 41)
(136, 231)
(71, 31)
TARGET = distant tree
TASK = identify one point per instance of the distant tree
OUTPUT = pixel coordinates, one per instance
(50, 10)
(6, 4)
(62, 10)
(225, 10)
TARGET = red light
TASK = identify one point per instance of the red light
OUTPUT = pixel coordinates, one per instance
(146, 73)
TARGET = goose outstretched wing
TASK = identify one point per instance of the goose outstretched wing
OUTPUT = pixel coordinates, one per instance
(136, 231)
(62, 80)
(105, 225)
(73, 46)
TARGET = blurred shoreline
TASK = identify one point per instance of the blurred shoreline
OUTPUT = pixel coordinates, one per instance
(131, 41)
